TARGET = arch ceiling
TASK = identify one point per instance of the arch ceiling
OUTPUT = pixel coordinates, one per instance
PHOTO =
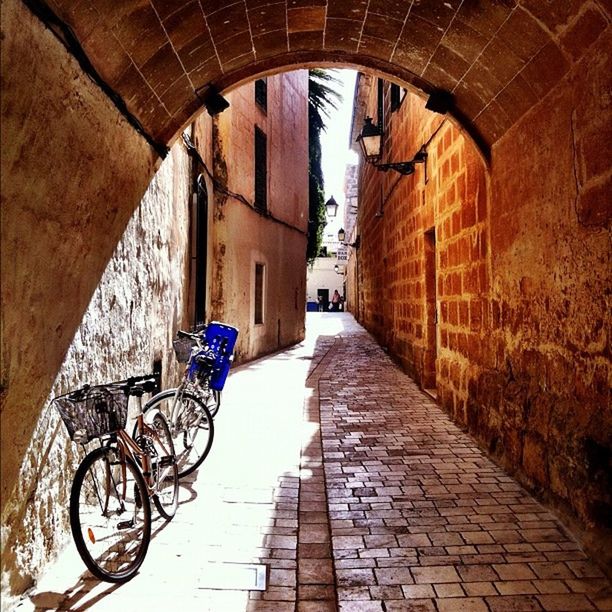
(496, 57)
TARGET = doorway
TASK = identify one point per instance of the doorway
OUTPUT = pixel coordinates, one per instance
(431, 314)
(200, 222)
(323, 299)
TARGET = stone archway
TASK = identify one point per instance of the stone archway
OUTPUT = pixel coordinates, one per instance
(495, 58)
(94, 92)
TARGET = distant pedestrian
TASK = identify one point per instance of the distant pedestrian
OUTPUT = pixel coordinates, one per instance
(336, 301)
(320, 303)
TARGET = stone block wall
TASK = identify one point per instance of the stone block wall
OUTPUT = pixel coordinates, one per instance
(550, 297)
(68, 192)
(129, 323)
(520, 353)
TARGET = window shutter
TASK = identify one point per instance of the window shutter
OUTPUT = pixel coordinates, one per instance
(261, 170)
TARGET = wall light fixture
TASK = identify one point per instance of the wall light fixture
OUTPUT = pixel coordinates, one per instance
(370, 141)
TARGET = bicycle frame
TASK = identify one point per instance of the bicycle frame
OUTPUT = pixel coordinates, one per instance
(178, 406)
(128, 447)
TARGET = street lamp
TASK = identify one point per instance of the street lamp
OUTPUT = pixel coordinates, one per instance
(331, 207)
(370, 141)
(342, 236)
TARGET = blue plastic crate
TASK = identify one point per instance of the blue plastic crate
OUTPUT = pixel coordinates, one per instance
(221, 339)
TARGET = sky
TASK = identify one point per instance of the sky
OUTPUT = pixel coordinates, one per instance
(335, 140)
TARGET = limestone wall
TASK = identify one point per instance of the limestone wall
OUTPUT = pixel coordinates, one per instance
(129, 323)
(551, 286)
(68, 191)
(509, 321)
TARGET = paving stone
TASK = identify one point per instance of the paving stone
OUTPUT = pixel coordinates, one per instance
(514, 571)
(465, 604)
(315, 571)
(513, 603)
(316, 606)
(452, 589)
(386, 592)
(436, 574)
(477, 573)
(361, 606)
(565, 602)
(516, 587)
(355, 577)
(481, 589)
(395, 575)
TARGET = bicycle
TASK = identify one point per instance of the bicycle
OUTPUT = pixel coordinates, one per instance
(191, 407)
(110, 509)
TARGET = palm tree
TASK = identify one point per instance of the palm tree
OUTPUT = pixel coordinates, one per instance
(321, 98)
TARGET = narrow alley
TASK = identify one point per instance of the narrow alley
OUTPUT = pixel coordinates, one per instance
(334, 483)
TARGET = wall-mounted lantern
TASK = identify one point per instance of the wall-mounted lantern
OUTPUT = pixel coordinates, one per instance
(370, 141)
(331, 207)
(342, 236)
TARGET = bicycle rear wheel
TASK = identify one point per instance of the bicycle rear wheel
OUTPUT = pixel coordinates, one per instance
(110, 515)
(191, 425)
(163, 466)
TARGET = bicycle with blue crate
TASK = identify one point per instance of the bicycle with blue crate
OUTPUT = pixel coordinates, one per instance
(191, 407)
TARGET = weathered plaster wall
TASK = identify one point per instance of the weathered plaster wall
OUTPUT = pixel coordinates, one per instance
(68, 191)
(129, 323)
(242, 236)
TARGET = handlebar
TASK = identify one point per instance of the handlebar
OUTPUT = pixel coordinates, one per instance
(183, 334)
(134, 385)
(199, 339)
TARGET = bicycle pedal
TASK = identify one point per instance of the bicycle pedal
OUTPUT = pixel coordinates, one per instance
(125, 524)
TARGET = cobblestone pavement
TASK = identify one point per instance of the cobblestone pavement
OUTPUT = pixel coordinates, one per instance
(356, 492)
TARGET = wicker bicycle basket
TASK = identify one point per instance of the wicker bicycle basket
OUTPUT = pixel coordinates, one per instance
(182, 348)
(93, 411)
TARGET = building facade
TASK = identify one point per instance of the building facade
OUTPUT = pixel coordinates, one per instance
(326, 273)
(257, 152)
(219, 234)
(507, 331)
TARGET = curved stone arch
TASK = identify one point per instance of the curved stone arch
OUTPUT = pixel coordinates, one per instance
(497, 58)
(390, 72)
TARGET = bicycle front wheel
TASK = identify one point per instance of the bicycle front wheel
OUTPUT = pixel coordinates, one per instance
(110, 515)
(191, 425)
(163, 466)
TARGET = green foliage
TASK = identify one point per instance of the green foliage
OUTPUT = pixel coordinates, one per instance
(321, 97)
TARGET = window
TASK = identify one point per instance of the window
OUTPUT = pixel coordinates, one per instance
(259, 293)
(397, 96)
(261, 170)
(261, 93)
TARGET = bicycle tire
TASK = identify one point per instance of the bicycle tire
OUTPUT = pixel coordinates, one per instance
(110, 516)
(167, 483)
(192, 431)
